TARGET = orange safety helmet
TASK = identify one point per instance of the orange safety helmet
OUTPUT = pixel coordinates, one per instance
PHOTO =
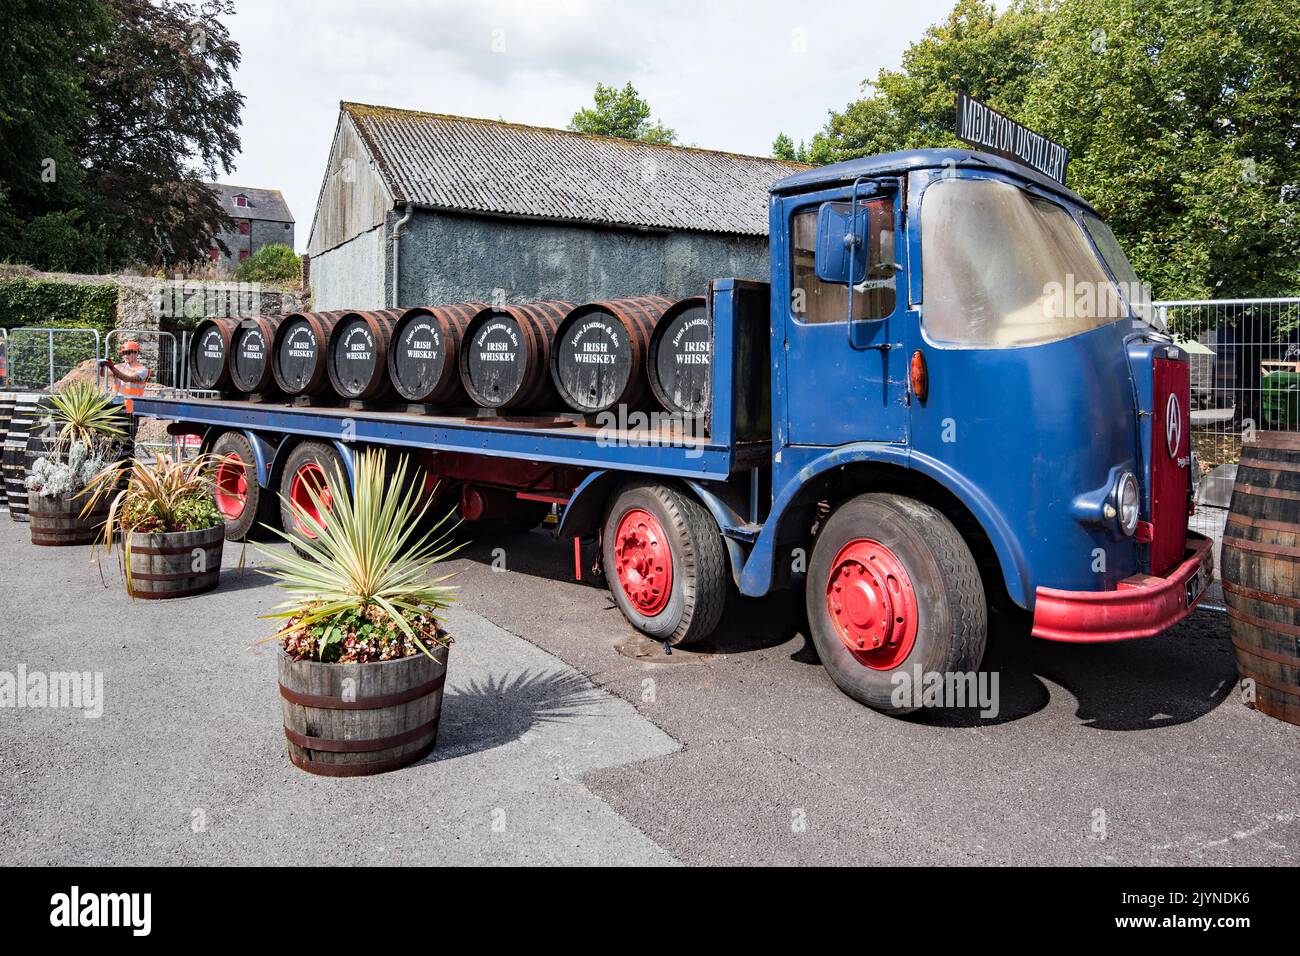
(130, 345)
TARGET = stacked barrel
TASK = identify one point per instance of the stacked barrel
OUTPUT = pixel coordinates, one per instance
(23, 443)
(530, 358)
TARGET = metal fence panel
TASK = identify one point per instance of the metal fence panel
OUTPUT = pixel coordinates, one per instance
(1245, 376)
(40, 357)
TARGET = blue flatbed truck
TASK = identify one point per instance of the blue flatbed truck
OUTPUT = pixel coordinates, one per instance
(949, 396)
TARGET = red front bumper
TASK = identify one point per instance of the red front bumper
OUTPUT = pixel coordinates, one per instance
(1141, 606)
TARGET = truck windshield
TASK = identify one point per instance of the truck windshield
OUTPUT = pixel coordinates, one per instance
(1005, 269)
(1133, 289)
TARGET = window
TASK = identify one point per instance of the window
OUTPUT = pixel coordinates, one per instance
(241, 201)
(1137, 294)
(288, 226)
(243, 254)
(817, 302)
(214, 253)
(1004, 269)
(244, 227)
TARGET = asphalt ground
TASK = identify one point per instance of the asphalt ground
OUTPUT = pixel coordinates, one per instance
(567, 738)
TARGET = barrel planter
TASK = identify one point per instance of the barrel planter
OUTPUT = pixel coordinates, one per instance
(298, 353)
(357, 359)
(598, 358)
(506, 359)
(23, 427)
(250, 363)
(7, 400)
(1261, 571)
(59, 522)
(351, 720)
(680, 360)
(210, 350)
(174, 564)
(424, 354)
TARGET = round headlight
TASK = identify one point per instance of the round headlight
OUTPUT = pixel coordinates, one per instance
(1127, 501)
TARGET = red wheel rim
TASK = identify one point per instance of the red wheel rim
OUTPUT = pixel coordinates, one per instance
(643, 561)
(309, 476)
(232, 487)
(871, 604)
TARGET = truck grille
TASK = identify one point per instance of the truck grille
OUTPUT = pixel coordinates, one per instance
(1171, 444)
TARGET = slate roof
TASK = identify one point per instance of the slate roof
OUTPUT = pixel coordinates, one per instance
(475, 165)
(265, 204)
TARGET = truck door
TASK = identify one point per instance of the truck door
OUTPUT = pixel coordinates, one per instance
(845, 382)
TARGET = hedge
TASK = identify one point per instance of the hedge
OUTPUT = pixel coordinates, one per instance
(28, 303)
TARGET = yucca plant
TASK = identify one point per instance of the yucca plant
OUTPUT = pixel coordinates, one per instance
(82, 413)
(365, 588)
(166, 494)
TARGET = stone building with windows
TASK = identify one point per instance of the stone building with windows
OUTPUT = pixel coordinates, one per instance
(261, 217)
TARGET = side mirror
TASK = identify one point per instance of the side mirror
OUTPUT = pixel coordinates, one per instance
(841, 243)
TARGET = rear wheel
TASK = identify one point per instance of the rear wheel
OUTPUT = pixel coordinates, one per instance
(665, 563)
(310, 467)
(892, 587)
(243, 503)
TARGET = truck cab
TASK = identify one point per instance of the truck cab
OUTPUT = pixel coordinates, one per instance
(971, 404)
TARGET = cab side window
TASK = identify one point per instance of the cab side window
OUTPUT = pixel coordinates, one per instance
(816, 302)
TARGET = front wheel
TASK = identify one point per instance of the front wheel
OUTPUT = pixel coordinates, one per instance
(892, 587)
(665, 563)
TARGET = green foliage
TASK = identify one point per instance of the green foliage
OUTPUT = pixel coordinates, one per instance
(783, 148)
(106, 109)
(43, 303)
(1180, 117)
(622, 113)
(272, 263)
(367, 556)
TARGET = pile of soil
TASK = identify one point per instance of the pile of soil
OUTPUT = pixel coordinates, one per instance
(87, 371)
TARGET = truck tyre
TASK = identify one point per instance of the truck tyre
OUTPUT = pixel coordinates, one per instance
(893, 587)
(665, 563)
(311, 464)
(243, 503)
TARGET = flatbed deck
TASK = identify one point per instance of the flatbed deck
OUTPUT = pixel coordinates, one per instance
(663, 448)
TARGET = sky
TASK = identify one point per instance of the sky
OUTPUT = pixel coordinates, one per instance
(725, 75)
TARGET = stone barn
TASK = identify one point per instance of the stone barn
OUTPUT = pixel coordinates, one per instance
(420, 208)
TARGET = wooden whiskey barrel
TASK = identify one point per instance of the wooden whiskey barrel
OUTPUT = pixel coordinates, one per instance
(175, 564)
(300, 345)
(506, 360)
(424, 355)
(598, 358)
(1261, 571)
(59, 522)
(7, 400)
(680, 361)
(250, 348)
(210, 353)
(351, 720)
(25, 423)
(357, 359)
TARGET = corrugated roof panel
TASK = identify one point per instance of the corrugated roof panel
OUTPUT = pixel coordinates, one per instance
(475, 165)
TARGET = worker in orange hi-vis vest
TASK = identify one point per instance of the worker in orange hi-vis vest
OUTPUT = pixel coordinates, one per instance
(129, 377)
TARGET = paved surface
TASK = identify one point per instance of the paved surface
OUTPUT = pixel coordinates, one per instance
(743, 752)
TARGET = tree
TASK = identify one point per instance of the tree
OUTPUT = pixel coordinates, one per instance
(622, 113)
(1182, 121)
(109, 110)
(161, 103)
(783, 148)
(42, 104)
(1180, 116)
(989, 55)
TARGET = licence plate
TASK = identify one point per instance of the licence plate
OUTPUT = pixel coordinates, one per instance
(1197, 585)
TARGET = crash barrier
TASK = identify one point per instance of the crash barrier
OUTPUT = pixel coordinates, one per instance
(1244, 360)
(39, 357)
